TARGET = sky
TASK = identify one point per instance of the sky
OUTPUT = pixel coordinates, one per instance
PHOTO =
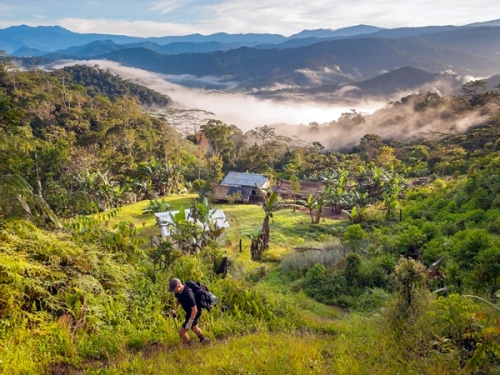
(145, 18)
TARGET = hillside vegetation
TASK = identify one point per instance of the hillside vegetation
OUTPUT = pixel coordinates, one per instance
(393, 268)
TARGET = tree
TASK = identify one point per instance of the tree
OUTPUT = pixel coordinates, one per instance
(217, 133)
(370, 145)
(315, 205)
(474, 92)
(255, 243)
(385, 157)
(270, 205)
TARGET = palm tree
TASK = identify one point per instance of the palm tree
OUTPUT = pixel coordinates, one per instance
(270, 205)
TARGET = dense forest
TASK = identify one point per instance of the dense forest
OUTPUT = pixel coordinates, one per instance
(411, 263)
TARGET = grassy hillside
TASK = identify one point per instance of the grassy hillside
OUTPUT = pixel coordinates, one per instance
(266, 323)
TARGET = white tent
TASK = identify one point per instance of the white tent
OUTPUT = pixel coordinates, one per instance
(165, 218)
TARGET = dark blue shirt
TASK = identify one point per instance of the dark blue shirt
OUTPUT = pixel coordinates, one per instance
(186, 299)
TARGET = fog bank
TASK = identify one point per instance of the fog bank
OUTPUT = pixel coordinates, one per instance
(291, 117)
(244, 111)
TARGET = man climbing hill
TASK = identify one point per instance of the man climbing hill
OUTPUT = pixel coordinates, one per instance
(185, 297)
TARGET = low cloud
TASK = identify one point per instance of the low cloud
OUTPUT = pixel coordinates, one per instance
(325, 75)
(292, 116)
(244, 111)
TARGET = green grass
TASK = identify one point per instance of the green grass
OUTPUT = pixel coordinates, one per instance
(359, 345)
(288, 229)
(306, 338)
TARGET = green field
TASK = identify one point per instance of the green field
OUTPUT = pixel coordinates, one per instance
(288, 229)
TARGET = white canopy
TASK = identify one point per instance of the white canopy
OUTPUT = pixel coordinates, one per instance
(165, 218)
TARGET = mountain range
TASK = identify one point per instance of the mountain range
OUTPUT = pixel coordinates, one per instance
(318, 60)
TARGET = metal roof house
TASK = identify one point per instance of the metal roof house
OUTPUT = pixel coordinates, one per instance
(164, 219)
(247, 184)
(246, 179)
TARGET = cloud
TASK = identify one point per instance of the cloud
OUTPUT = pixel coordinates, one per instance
(166, 6)
(135, 28)
(178, 17)
(289, 116)
(324, 75)
(244, 111)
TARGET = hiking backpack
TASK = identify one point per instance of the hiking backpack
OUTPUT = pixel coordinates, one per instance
(202, 295)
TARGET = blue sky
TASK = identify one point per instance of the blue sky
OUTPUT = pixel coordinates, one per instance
(180, 17)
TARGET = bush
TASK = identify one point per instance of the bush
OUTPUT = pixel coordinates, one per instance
(465, 245)
(410, 277)
(305, 260)
(354, 238)
(188, 268)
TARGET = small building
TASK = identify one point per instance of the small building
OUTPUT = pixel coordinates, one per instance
(284, 189)
(164, 219)
(247, 184)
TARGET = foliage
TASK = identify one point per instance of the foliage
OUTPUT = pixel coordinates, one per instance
(156, 205)
(98, 81)
(92, 295)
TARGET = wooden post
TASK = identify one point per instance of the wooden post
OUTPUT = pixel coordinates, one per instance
(240, 245)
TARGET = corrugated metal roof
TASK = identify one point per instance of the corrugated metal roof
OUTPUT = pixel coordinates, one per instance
(245, 179)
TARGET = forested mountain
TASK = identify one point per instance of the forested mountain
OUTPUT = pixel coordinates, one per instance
(312, 60)
(406, 79)
(53, 38)
(99, 81)
(50, 38)
(101, 47)
(341, 61)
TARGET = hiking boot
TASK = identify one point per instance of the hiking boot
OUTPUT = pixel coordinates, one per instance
(205, 341)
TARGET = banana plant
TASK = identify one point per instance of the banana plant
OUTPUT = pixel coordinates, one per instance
(390, 204)
(255, 243)
(185, 233)
(156, 205)
(356, 215)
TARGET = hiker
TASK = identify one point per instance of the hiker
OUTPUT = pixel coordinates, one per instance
(185, 297)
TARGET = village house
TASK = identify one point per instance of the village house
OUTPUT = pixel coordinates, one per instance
(247, 184)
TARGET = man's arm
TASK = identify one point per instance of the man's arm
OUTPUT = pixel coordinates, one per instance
(194, 311)
(174, 311)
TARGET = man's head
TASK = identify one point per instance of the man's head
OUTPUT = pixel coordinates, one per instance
(174, 285)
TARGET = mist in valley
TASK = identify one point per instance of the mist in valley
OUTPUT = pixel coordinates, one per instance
(336, 125)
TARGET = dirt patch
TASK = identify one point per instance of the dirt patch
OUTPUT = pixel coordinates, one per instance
(64, 369)
(327, 213)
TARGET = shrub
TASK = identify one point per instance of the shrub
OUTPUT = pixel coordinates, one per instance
(471, 328)
(410, 278)
(375, 273)
(486, 275)
(465, 245)
(353, 236)
(434, 249)
(474, 218)
(492, 220)
(188, 268)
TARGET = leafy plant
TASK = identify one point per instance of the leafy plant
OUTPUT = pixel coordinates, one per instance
(156, 205)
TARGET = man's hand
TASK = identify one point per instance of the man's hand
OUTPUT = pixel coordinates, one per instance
(189, 323)
(173, 313)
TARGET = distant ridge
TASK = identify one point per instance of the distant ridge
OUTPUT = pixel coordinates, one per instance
(329, 33)
(337, 61)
